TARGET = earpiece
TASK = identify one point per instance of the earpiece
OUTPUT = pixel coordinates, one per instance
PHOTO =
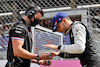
(34, 10)
(31, 13)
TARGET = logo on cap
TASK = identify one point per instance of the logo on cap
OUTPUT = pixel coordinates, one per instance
(59, 19)
(55, 22)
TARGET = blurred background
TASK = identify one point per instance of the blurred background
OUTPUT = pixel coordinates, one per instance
(86, 11)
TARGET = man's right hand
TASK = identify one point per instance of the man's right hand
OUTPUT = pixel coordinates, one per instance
(44, 62)
(55, 53)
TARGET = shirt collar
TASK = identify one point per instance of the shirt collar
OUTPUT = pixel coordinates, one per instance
(23, 21)
(70, 27)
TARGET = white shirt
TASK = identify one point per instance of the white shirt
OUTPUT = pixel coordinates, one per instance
(79, 32)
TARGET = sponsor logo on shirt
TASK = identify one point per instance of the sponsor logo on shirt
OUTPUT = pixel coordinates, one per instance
(18, 32)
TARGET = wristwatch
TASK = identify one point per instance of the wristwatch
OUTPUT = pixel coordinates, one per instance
(37, 58)
(59, 47)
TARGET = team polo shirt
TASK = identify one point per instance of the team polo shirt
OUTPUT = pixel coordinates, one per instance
(19, 31)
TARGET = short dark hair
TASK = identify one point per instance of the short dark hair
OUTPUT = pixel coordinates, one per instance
(34, 7)
(31, 6)
(41, 11)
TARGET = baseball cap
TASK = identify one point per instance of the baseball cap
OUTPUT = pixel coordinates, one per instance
(57, 19)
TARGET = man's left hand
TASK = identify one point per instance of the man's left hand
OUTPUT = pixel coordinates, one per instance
(54, 47)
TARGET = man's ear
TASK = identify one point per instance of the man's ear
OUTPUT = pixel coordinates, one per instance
(64, 20)
(32, 19)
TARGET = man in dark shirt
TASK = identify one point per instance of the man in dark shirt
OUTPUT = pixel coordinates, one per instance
(20, 40)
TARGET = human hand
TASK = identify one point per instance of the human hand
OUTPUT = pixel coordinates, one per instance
(55, 53)
(46, 55)
(44, 62)
(41, 62)
(54, 47)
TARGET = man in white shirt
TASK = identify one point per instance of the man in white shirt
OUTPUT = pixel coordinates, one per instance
(82, 45)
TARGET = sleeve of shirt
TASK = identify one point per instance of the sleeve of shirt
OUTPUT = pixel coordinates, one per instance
(79, 32)
(18, 33)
